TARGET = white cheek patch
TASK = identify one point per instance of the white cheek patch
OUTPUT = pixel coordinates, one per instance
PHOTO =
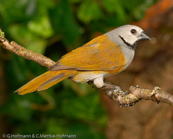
(131, 39)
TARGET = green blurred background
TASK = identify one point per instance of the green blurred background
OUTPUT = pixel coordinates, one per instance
(53, 28)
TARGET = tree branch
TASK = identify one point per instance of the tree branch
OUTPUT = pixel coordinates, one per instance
(129, 99)
(23, 52)
(135, 94)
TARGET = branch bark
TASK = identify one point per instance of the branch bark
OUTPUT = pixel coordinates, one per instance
(25, 53)
(130, 98)
(135, 94)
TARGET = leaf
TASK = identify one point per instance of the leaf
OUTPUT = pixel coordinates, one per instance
(115, 6)
(84, 131)
(41, 26)
(25, 10)
(63, 22)
(110, 5)
(89, 10)
(86, 108)
(75, 1)
(55, 126)
(27, 38)
(17, 108)
(38, 46)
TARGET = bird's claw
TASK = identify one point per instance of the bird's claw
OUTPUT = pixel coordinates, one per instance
(116, 92)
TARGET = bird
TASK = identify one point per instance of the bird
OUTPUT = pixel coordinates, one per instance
(103, 56)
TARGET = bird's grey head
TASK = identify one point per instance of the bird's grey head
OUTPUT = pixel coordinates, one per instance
(129, 35)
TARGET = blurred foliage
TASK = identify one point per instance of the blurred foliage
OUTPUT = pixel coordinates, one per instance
(52, 28)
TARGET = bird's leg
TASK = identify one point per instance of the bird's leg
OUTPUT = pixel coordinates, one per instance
(114, 90)
(111, 86)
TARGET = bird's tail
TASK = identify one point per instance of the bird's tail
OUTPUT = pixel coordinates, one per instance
(45, 81)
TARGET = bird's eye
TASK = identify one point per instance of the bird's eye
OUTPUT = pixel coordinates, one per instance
(133, 31)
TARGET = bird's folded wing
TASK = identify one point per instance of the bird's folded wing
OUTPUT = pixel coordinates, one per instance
(98, 54)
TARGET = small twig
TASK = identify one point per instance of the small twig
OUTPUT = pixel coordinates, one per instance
(134, 95)
(45, 107)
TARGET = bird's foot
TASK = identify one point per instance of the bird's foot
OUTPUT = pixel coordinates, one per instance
(114, 91)
(117, 92)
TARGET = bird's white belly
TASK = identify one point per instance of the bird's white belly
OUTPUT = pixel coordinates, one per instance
(88, 76)
(95, 76)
